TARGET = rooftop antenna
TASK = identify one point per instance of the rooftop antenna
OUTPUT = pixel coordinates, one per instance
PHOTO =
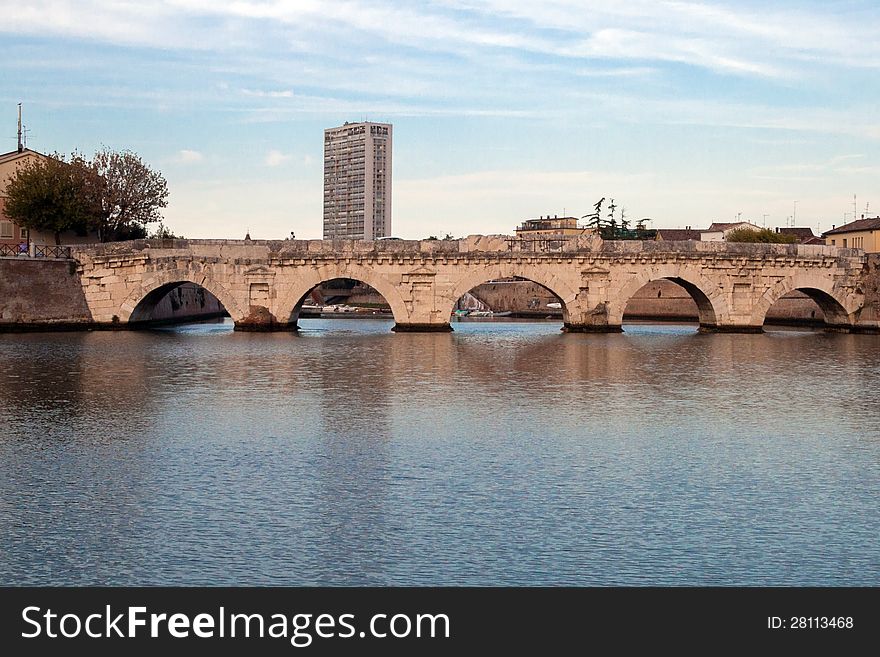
(855, 209)
(765, 219)
(20, 142)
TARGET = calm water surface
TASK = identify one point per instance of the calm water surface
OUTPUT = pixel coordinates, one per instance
(503, 453)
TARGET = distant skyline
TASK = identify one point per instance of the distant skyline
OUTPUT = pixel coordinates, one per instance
(503, 110)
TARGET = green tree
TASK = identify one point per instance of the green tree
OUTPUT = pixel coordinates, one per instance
(612, 222)
(51, 195)
(129, 194)
(594, 220)
(765, 235)
(162, 232)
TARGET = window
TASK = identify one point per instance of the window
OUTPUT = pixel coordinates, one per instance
(24, 234)
(5, 230)
(844, 242)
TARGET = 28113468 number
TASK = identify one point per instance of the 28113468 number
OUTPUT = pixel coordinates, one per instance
(810, 623)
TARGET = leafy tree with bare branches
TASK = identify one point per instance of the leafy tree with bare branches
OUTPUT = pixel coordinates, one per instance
(129, 194)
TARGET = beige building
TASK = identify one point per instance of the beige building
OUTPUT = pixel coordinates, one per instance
(860, 234)
(357, 181)
(550, 226)
(11, 234)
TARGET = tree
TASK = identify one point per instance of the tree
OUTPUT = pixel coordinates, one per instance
(764, 235)
(165, 233)
(594, 220)
(612, 222)
(51, 195)
(129, 193)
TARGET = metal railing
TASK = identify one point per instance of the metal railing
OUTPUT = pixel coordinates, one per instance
(539, 244)
(12, 250)
(35, 251)
(45, 251)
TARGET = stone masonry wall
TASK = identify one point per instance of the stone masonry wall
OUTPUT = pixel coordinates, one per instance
(44, 292)
(188, 301)
(870, 314)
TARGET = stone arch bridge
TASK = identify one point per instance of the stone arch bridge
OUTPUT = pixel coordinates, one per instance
(262, 284)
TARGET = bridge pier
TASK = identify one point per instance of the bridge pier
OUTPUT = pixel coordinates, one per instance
(569, 327)
(261, 320)
(730, 328)
(409, 327)
(846, 328)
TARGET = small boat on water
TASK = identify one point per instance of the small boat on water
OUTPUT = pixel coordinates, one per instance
(489, 313)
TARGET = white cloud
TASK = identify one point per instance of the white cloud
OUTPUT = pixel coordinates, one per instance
(187, 156)
(258, 93)
(276, 158)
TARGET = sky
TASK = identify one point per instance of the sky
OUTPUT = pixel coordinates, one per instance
(503, 110)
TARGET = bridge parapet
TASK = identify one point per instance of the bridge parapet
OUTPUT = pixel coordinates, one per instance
(471, 245)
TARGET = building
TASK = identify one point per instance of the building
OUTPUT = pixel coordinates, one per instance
(718, 231)
(801, 235)
(678, 234)
(860, 234)
(11, 234)
(550, 226)
(357, 181)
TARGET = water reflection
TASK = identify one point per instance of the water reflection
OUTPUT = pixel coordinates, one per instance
(497, 454)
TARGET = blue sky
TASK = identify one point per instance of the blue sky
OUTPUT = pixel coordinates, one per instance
(503, 110)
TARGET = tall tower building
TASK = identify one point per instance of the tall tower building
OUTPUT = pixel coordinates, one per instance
(357, 181)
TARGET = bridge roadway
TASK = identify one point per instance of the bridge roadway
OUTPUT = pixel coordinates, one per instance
(262, 284)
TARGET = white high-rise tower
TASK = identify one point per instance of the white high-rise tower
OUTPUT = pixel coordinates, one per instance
(357, 181)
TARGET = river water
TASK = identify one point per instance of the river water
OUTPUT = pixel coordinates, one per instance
(503, 453)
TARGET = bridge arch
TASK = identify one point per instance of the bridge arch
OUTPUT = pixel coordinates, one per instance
(137, 303)
(711, 302)
(291, 301)
(553, 283)
(839, 308)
